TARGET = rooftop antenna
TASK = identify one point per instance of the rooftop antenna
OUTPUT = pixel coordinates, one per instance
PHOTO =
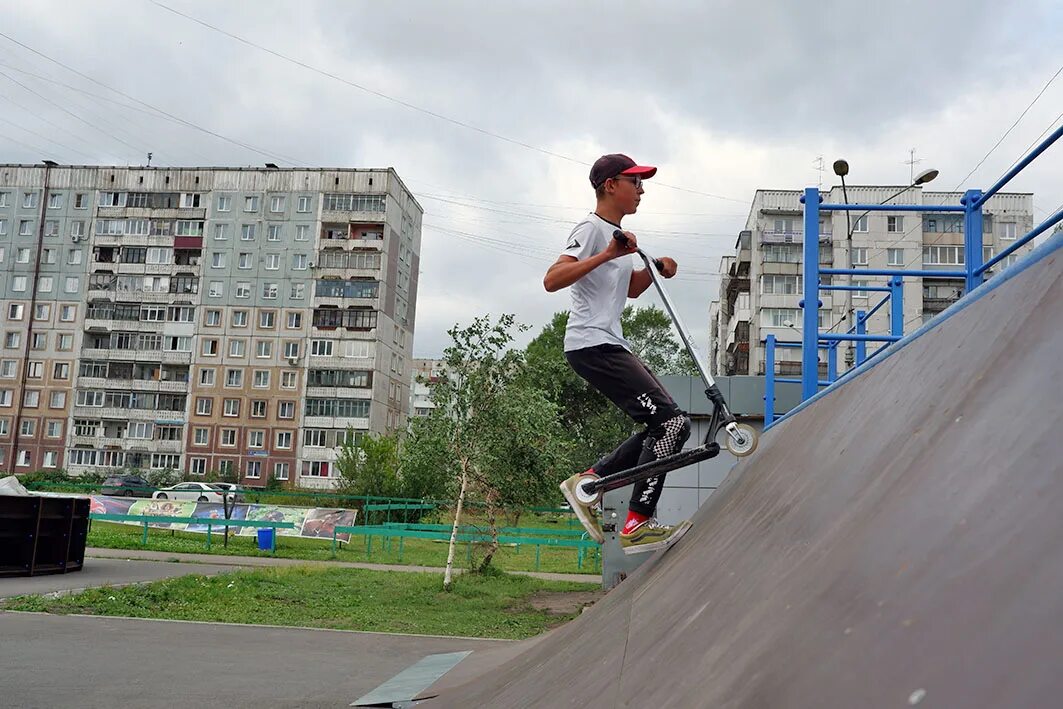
(911, 162)
(149, 159)
(819, 165)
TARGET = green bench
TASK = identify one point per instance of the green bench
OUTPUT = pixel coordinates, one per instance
(443, 533)
(209, 522)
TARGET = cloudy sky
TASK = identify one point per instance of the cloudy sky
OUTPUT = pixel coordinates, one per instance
(492, 112)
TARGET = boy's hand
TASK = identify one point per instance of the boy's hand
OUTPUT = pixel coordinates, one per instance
(668, 266)
(618, 248)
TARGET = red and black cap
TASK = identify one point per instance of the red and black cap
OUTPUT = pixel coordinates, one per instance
(608, 166)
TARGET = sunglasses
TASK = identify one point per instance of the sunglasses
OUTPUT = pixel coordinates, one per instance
(635, 180)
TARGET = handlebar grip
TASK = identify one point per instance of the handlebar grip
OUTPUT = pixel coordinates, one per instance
(619, 236)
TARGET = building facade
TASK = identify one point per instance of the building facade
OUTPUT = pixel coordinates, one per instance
(203, 319)
(760, 288)
(424, 374)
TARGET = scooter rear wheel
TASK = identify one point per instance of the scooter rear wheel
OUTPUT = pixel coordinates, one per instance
(746, 445)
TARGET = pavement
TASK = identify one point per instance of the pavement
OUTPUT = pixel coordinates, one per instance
(51, 661)
(898, 541)
(105, 572)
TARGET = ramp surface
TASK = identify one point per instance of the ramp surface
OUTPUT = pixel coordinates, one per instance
(897, 542)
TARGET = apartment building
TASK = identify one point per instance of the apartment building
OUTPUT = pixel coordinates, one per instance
(425, 373)
(200, 319)
(760, 288)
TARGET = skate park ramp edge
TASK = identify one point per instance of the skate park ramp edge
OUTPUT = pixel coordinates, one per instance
(896, 541)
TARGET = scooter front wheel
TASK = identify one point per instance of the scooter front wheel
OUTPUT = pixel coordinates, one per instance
(740, 439)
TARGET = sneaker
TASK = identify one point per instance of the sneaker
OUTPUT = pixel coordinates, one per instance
(584, 513)
(651, 536)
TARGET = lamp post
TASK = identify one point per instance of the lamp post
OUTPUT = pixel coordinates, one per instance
(841, 169)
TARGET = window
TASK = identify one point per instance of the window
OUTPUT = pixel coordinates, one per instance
(35, 370)
(1008, 231)
(40, 341)
(139, 429)
(8, 368)
(228, 437)
(74, 257)
(267, 319)
(263, 349)
(234, 377)
(4, 199)
(57, 399)
(314, 437)
(288, 380)
(180, 313)
(254, 469)
(276, 203)
(22, 255)
(291, 350)
(12, 340)
(3, 227)
(987, 253)
(894, 257)
(61, 370)
(258, 408)
(81, 201)
(29, 200)
(31, 399)
(217, 259)
(321, 348)
(274, 232)
(65, 342)
(23, 458)
(55, 200)
(72, 284)
(354, 202)
(256, 439)
(295, 320)
(344, 408)
(54, 429)
(245, 260)
(221, 232)
(200, 436)
(280, 471)
(243, 289)
(260, 379)
(778, 285)
(251, 203)
(210, 347)
(25, 227)
(213, 318)
(861, 224)
(5, 398)
(216, 289)
(299, 262)
(191, 200)
(15, 311)
(247, 232)
(198, 466)
(857, 294)
(316, 468)
(18, 284)
(189, 228)
(236, 348)
(42, 312)
(239, 318)
(48, 256)
(302, 232)
(225, 203)
(206, 377)
(859, 256)
(286, 410)
(273, 262)
(269, 291)
(232, 407)
(895, 224)
(304, 204)
(943, 256)
(778, 317)
(51, 227)
(284, 440)
(298, 291)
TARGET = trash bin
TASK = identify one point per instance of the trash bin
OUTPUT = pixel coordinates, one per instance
(265, 539)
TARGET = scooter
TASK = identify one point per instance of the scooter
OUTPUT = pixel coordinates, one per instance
(741, 439)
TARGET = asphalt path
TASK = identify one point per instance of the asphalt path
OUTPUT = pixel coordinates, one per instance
(94, 661)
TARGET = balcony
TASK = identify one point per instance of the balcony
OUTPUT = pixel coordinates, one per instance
(175, 387)
(789, 236)
(145, 269)
(117, 355)
(103, 325)
(335, 422)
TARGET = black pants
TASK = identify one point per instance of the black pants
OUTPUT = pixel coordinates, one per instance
(622, 378)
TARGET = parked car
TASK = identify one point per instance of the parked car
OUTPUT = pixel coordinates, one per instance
(126, 486)
(237, 494)
(196, 492)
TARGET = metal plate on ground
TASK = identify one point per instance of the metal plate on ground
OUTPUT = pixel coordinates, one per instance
(403, 687)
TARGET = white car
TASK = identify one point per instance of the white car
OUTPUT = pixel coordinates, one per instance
(196, 492)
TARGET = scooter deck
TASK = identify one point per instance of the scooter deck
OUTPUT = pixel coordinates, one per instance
(653, 468)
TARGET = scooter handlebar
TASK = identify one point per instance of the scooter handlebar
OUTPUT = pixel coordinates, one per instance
(619, 236)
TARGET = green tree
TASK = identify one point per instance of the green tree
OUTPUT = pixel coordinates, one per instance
(369, 465)
(426, 460)
(501, 437)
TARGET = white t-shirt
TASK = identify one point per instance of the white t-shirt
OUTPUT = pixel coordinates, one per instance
(599, 297)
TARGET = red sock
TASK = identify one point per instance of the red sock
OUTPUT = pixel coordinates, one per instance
(589, 471)
(634, 519)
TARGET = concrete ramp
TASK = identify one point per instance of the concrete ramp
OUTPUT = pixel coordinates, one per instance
(897, 542)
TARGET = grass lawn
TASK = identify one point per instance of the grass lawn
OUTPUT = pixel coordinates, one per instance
(492, 605)
(417, 552)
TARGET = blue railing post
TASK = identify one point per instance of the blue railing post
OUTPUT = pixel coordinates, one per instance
(769, 380)
(810, 329)
(972, 238)
(897, 306)
(861, 329)
(832, 362)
